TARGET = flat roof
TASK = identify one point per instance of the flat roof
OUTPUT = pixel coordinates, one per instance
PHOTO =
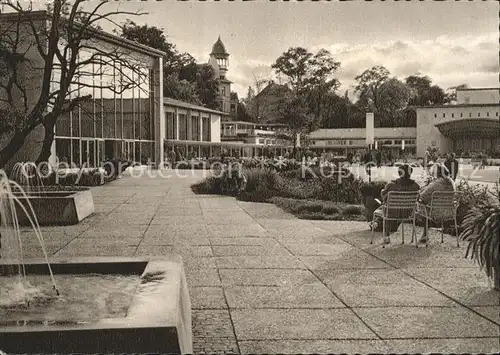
(459, 105)
(257, 124)
(472, 89)
(167, 101)
(105, 36)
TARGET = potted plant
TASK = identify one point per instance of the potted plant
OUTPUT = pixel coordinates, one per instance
(481, 228)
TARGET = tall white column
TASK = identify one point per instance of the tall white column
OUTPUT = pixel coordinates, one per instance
(159, 113)
(370, 129)
(201, 127)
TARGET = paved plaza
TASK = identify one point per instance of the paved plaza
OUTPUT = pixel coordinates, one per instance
(262, 281)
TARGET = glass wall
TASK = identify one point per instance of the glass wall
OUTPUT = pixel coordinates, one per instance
(170, 125)
(183, 127)
(117, 121)
(206, 129)
(195, 128)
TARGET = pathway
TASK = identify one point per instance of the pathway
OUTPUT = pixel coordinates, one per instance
(262, 281)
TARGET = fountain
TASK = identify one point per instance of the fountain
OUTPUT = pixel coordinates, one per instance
(125, 305)
(53, 205)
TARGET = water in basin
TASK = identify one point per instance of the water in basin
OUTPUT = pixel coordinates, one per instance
(82, 298)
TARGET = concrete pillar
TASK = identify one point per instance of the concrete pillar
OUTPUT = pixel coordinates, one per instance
(159, 112)
(176, 123)
(200, 119)
(189, 125)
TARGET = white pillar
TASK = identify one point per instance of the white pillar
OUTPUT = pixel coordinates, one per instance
(176, 124)
(201, 127)
(370, 129)
(159, 113)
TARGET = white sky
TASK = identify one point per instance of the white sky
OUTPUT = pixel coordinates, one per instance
(452, 42)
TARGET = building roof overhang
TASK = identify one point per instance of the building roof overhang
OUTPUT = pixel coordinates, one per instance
(470, 127)
(167, 101)
(104, 36)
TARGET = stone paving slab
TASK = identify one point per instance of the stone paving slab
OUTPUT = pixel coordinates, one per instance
(381, 287)
(258, 262)
(427, 322)
(71, 250)
(250, 250)
(490, 312)
(352, 259)
(238, 241)
(282, 324)
(207, 298)
(293, 347)
(235, 230)
(104, 241)
(272, 265)
(444, 346)
(469, 286)
(267, 277)
(213, 332)
(202, 276)
(296, 297)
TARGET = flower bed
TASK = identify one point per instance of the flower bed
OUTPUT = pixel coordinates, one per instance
(303, 185)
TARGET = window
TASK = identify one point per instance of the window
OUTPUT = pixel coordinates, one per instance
(497, 114)
(461, 114)
(206, 127)
(435, 115)
(223, 91)
(195, 128)
(452, 115)
(487, 114)
(470, 114)
(182, 127)
(444, 114)
(479, 114)
(170, 122)
(261, 140)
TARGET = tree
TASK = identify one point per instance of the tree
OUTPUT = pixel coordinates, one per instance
(423, 93)
(154, 37)
(311, 77)
(294, 112)
(294, 65)
(207, 86)
(369, 87)
(180, 89)
(393, 100)
(62, 46)
(242, 114)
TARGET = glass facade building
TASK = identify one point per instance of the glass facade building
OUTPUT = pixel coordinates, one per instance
(118, 121)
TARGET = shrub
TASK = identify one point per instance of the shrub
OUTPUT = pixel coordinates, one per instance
(352, 210)
(260, 187)
(210, 186)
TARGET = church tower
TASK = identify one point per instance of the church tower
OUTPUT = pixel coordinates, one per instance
(219, 61)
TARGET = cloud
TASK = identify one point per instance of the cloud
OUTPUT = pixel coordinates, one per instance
(448, 61)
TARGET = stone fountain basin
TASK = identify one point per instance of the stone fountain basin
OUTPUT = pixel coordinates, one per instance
(157, 321)
(56, 206)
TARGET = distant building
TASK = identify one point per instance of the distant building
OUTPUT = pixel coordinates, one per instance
(265, 105)
(219, 60)
(342, 141)
(273, 134)
(470, 126)
(127, 124)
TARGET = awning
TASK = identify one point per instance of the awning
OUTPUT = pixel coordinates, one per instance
(470, 127)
